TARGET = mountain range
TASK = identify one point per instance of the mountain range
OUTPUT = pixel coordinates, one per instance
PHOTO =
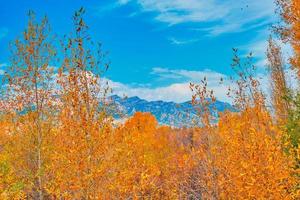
(167, 113)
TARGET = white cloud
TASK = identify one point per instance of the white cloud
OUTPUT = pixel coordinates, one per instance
(230, 15)
(176, 92)
(179, 91)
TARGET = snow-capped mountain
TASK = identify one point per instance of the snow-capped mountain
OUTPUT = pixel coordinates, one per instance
(169, 113)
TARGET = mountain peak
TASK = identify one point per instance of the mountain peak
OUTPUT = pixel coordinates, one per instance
(134, 98)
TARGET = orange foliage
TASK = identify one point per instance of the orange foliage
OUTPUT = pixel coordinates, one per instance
(290, 12)
(142, 161)
(249, 157)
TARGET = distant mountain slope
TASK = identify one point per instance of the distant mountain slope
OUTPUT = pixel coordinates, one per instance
(169, 113)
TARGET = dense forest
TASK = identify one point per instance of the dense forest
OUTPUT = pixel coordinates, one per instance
(58, 138)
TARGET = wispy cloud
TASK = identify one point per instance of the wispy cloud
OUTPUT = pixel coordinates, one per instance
(180, 11)
(234, 27)
(221, 16)
(176, 41)
(122, 2)
(3, 32)
(2, 65)
(259, 45)
(189, 75)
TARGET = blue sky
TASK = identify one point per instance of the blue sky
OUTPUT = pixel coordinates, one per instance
(156, 47)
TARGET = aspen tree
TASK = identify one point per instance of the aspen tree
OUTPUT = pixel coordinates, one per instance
(29, 97)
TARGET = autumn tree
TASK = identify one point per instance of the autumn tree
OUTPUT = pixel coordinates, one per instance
(246, 159)
(278, 81)
(201, 182)
(290, 31)
(245, 90)
(28, 101)
(83, 123)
